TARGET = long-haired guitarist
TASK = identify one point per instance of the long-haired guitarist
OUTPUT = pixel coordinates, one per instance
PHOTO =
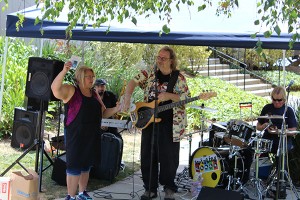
(155, 82)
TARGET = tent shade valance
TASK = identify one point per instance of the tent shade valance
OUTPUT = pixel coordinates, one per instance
(187, 28)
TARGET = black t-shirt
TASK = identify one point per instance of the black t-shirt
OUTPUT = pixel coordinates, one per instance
(163, 80)
(290, 121)
(109, 99)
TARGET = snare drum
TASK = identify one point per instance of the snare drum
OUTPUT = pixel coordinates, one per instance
(264, 145)
(239, 133)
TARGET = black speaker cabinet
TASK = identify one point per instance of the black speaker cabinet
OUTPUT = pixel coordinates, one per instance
(59, 170)
(208, 193)
(40, 75)
(24, 128)
(33, 104)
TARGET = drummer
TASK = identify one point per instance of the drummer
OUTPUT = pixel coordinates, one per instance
(273, 119)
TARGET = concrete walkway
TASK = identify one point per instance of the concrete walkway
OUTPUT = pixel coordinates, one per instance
(132, 187)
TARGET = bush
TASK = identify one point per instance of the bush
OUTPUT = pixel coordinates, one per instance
(15, 81)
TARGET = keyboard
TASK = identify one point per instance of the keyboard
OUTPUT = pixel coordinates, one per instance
(115, 123)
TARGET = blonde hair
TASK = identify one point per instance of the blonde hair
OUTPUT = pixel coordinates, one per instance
(80, 73)
(172, 56)
(279, 90)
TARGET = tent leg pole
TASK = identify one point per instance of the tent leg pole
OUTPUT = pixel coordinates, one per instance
(3, 74)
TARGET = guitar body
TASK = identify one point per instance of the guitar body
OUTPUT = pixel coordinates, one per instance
(143, 115)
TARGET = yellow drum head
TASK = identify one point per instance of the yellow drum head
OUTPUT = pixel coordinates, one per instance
(205, 160)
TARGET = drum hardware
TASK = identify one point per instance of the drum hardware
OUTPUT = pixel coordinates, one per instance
(202, 108)
(183, 178)
(257, 181)
(282, 174)
(234, 180)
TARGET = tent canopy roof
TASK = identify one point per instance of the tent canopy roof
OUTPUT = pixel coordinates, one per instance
(188, 27)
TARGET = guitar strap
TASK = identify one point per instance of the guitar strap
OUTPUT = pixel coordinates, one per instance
(172, 81)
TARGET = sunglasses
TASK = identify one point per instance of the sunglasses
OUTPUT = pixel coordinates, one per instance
(278, 100)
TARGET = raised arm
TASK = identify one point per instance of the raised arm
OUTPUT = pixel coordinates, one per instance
(60, 90)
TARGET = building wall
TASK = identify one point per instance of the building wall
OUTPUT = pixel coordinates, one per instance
(13, 6)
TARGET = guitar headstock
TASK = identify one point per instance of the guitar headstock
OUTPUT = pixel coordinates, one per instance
(205, 95)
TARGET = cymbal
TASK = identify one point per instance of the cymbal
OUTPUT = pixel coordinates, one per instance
(270, 117)
(216, 124)
(203, 108)
(288, 132)
(292, 132)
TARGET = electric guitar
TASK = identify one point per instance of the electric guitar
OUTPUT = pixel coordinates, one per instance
(143, 114)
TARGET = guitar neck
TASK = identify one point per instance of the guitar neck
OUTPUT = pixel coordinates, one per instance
(176, 104)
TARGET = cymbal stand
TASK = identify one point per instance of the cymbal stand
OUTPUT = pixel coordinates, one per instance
(202, 130)
(281, 172)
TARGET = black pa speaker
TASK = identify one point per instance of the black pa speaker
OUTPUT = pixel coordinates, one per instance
(40, 75)
(24, 128)
(59, 170)
(208, 193)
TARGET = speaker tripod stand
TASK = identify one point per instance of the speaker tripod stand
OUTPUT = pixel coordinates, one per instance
(39, 146)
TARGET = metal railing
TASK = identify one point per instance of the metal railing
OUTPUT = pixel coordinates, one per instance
(233, 63)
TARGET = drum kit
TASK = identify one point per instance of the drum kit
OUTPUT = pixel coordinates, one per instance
(227, 163)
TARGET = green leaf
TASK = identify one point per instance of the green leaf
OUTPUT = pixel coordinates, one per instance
(256, 22)
(291, 29)
(277, 29)
(267, 34)
(133, 19)
(166, 29)
(253, 35)
(37, 20)
(202, 7)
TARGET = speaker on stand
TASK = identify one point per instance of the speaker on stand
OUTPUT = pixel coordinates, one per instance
(24, 128)
(40, 75)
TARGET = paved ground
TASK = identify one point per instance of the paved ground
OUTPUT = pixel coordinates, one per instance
(132, 187)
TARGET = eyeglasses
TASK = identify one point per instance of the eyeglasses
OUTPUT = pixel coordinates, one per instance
(162, 58)
(278, 100)
(89, 77)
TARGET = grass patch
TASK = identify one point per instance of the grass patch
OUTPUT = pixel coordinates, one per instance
(50, 189)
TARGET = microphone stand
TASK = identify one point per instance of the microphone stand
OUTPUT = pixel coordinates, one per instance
(153, 129)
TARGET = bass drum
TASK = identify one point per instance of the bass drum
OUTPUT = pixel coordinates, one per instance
(215, 165)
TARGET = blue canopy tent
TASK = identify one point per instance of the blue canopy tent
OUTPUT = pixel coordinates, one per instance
(188, 27)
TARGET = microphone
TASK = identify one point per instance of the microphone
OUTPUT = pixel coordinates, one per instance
(290, 85)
